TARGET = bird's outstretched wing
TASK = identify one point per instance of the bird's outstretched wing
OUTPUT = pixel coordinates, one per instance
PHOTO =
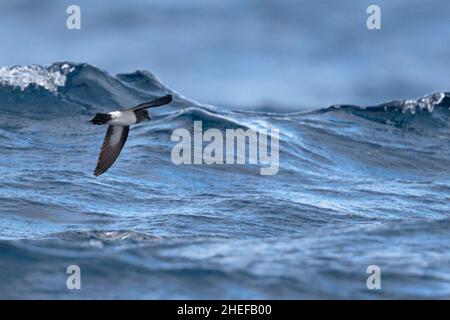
(155, 103)
(115, 139)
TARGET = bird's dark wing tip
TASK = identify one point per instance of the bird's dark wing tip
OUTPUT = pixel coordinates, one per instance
(155, 103)
(111, 148)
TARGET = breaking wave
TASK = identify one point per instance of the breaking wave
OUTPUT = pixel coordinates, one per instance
(357, 185)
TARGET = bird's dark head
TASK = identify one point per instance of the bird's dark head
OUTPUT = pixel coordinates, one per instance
(142, 115)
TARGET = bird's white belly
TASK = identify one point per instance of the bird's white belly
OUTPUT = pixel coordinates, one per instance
(120, 118)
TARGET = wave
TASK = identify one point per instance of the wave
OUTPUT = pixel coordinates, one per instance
(72, 88)
(66, 90)
(349, 178)
(430, 110)
(91, 87)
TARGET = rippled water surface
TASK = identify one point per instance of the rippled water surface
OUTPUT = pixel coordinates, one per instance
(357, 186)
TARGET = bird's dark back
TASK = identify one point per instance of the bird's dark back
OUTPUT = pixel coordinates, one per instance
(141, 115)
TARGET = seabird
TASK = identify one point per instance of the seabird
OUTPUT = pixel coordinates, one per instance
(119, 125)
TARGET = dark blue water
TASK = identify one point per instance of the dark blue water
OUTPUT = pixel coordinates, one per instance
(357, 186)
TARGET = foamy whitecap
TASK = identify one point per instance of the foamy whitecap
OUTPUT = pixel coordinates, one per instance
(425, 103)
(49, 78)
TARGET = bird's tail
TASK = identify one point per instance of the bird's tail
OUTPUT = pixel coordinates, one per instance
(101, 118)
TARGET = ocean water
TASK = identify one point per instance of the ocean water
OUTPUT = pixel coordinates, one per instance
(245, 53)
(357, 186)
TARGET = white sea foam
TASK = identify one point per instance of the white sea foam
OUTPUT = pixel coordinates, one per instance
(425, 103)
(49, 78)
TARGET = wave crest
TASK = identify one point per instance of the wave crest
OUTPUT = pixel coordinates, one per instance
(67, 88)
(49, 78)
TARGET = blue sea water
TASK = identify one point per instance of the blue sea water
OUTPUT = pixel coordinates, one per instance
(357, 186)
(245, 53)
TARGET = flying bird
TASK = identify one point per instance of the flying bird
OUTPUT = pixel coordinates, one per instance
(119, 125)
